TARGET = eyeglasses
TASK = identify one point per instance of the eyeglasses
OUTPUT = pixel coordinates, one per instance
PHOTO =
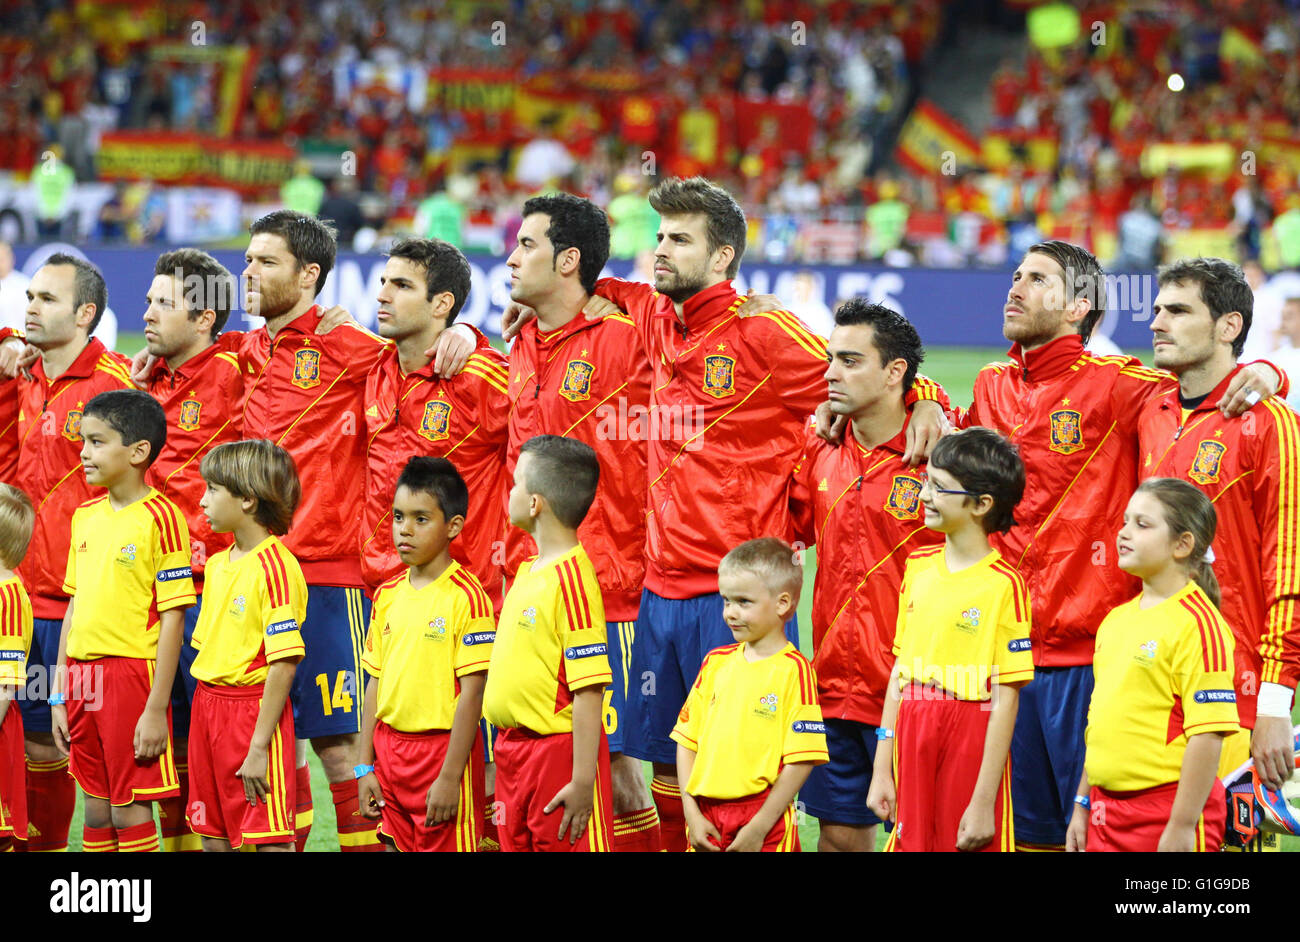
(926, 482)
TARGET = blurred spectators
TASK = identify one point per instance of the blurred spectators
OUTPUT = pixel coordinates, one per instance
(52, 181)
(13, 290)
(303, 192)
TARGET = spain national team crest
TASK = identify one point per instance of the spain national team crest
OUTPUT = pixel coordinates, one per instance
(72, 426)
(189, 417)
(904, 499)
(436, 420)
(306, 369)
(1067, 431)
(719, 376)
(577, 380)
(1205, 466)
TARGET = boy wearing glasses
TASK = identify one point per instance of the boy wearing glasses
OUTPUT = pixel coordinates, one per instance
(963, 652)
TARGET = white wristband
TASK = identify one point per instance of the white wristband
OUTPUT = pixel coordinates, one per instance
(1274, 700)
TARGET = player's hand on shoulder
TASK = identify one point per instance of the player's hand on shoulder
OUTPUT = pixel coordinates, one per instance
(1256, 382)
(11, 352)
(977, 826)
(335, 316)
(597, 306)
(577, 804)
(369, 795)
(141, 366)
(442, 801)
(253, 774)
(929, 423)
(451, 350)
(151, 734)
(828, 425)
(513, 319)
(759, 304)
(1177, 839)
(59, 727)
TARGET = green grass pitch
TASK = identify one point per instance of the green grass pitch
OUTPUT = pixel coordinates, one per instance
(953, 367)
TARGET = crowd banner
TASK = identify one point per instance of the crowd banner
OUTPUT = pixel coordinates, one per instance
(177, 157)
(949, 307)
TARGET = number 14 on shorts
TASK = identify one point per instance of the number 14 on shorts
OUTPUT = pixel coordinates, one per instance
(341, 699)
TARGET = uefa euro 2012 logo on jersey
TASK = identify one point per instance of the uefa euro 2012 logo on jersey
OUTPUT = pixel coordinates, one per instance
(126, 555)
(437, 629)
(237, 605)
(528, 619)
(970, 620)
(766, 707)
(1146, 655)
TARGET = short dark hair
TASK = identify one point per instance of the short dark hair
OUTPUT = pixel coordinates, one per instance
(564, 471)
(575, 224)
(438, 478)
(445, 269)
(1224, 289)
(89, 287)
(206, 284)
(310, 241)
(984, 462)
(260, 470)
(133, 414)
(893, 334)
(1084, 278)
(726, 220)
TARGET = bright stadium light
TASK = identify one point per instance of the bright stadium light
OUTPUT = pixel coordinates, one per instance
(1175, 82)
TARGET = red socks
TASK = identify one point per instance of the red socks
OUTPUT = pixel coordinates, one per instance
(672, 819)
(357, 833)
(137, 839)
(637, 832)
(51, 798)
(303, 808)
(98, 840)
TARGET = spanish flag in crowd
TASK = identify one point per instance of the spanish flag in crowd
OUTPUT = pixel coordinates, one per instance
(930, 133)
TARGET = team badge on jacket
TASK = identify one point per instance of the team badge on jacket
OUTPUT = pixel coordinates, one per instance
(306, 369)
(72, 426)
(577, 381)
(1067, 431)
(719, 376)
(436, 420)
(1205, 466)
(904, 499)
(189, 417)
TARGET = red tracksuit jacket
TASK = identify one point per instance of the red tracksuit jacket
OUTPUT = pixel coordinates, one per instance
(1250, 467)
(462, 419)
(49, 466)
(590, 380)
(202, 399)
(862, 507)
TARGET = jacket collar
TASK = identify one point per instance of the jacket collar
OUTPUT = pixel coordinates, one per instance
(537, 338)
(897, 444)
(80, 368)
(186, 370)
(1173, 399)
(304, 323)
(701, 311)
(1050, 360)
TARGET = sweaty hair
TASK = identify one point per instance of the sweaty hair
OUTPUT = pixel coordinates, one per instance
(564, 471)
(575, 224)
(17, 517)
(726, 220)
(258, 470)
(893, 334)
(984, 462)
(133, 414)
(89, 287)
(1084, 278)
(1223, 289)
(206, 284)
(310, 241)
(438, 478)
(1188, 510)
(445, 269)
(772, 561)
